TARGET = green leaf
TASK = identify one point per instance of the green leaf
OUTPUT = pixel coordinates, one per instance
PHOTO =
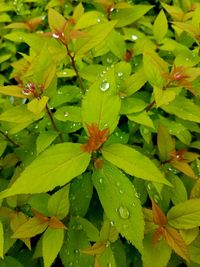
(80, 199)
(158, 254)
(12, 90)
(94, 37)
(194, 250)
(2, 240)
(36, 106)
(56, 20)
(18, 114)
(133, 162)
(99, 98)
(132, 105)
(91, 231)
(126, 16)
(3, 145)
(154, 68)
(55, 167)
(44, 140)
(58, 204)
(160, 26)
(116, 44)
(52, 241)
(185, 215)
(135, 82)
(125, 209)
(178, 193)
(68, 113)
(88, 19)
(141, 118)
(163, 97)
(183, 108)
(30, 228)
(39, 202)
(75, 240)
(165, 143)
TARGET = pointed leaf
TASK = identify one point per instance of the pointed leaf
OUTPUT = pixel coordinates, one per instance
(99, 98)
(165, 143)
(133, 162)
(185, 215)
(30, 228)
(55, 167)
(58, 204)
(158, 215)
(94, 37)
(183, 108)
(176, 242)
(37, 105)
(52, 241)
(125, 208)
(158, 254)
(56, 20)
(160, 26)
(184, 167)
(12, 90)
(126, 16)
(44, 140)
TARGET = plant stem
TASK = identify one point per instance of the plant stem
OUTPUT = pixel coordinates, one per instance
(73, 64)
(148, 107)
(7, 137)
(53, 123)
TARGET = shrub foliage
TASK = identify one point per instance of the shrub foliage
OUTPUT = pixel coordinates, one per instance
(99, 133)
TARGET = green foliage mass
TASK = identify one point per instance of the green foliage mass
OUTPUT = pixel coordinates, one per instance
(99, 133)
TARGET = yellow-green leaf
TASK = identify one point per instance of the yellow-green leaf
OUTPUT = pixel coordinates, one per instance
(160, 26)
(133, 162)
(12, 90)
(54, 167)
(52, 241)
(37, 105)
(2, 240)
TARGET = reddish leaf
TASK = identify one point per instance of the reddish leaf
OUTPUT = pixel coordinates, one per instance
(176, 242)
(184, 167)
(96, 138)
(157, 235)
(158, 215)
(56, 223)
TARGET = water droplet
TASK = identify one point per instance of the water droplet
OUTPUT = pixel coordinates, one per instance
(112, 223)
(60, 92)
(123, 212)
(121, 191)
(156, 198)
(76, 251)
(137, 195)
(104, 86)
(54, 35)
(109, 60)
(118, 184)
(133, 204)
(70, 263)
(66, 114)
(98, 20)
(120, 74)
(100, 180)
(134, 37)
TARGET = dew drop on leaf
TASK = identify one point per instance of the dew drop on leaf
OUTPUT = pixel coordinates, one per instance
(104, 86)
(121, 191)
(123, 212)
(100, 180)
(134, 37)
(66, 114)
(120, 74)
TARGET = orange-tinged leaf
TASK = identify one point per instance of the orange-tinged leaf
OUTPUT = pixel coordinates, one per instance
(176, 242)
(40, 215)
(157, 235)
(96, 138)
(97, 248)
(158, 215)
(56, 223)
(30, 228)
(56, 21)
(190, 156)
(184, 167)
